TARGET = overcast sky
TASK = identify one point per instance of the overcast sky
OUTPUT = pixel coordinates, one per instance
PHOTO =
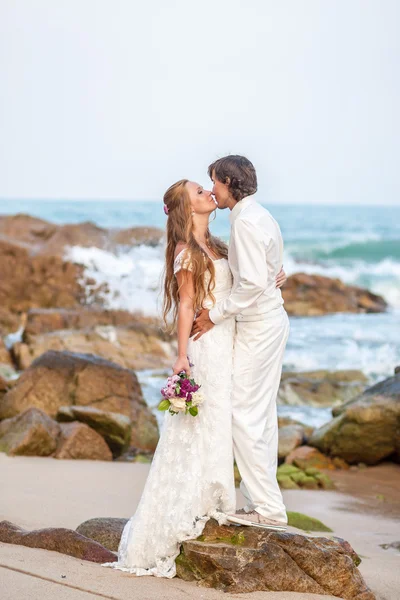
(120, 98)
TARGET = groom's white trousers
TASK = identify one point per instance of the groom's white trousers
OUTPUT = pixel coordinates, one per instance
(258, 356)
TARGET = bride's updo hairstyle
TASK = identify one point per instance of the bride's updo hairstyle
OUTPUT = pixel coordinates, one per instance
(180, 230)
(238, 172)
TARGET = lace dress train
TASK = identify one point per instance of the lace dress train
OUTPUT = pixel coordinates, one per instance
(191, 477)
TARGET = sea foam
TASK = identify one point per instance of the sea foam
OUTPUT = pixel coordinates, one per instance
(133, 276)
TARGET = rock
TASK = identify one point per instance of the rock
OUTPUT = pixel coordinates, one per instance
(324, 481)
(47, 320)
(113, 427)
(3, 385)
(136, 236)
(287, 483)
(366, 429)
(144, 459)
(105, 531)
(340, 463)
(307, 456)
(42, 237)
(8, 373)
(79, 441)
(9, 321)
(237, 475)
(138, 346)
(28, 281)
(251, 559)
(312, 295)
(288, 469)
(320, 388)
(58, 379)
(60, 539)
(32, 433)
(307, 429)
(5, 356)
(292, 477)
(29, 231)
(309, 483)
(302, 521)
(290, 436)
(391, 546)
(397, 370)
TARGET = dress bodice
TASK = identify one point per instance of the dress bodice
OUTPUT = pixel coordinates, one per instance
(223, 277)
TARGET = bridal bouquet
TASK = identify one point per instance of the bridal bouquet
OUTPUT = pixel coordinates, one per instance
(181, 394)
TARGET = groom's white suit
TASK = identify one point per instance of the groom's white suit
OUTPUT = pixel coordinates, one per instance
(255, 258)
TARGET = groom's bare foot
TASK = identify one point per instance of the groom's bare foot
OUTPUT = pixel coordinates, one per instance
(253, 518)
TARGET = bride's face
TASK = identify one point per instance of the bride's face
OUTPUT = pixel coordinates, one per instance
(201, 200)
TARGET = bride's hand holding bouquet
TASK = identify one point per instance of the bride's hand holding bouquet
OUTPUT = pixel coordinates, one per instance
(181, 393)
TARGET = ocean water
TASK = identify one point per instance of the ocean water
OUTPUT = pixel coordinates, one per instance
(360, 245)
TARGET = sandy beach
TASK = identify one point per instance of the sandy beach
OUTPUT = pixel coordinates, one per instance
(43, 492)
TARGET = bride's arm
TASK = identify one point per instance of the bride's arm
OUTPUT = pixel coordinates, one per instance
(185, 319)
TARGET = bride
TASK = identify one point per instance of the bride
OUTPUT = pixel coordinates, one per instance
(191, 477)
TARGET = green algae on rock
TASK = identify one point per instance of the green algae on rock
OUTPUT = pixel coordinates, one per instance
(302, 521)
(292, 477)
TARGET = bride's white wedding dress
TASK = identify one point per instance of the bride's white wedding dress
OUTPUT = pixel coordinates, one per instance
(191, 477)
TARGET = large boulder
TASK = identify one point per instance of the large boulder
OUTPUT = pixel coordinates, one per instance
(79, 441)
(57, 539)
(32, 433)
(320, 388)
(313, 295)
(247, 559)
(48, 320)
(366, 429)
(43, 237)
(113, 427)
(31, 281)
(138, 346)
(58, 379)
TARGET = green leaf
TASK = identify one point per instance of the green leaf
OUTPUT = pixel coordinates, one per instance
(194, 411)
(164, 404)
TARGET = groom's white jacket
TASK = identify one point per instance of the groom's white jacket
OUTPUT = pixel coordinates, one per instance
(255, 258)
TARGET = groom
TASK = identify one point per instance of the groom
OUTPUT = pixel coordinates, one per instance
(255, 258)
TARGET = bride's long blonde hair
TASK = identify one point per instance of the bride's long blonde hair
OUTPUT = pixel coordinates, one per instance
(180, 230)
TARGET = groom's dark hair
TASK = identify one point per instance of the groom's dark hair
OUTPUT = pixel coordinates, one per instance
(241, 173)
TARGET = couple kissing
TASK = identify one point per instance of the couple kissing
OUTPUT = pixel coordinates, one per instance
(227, 308)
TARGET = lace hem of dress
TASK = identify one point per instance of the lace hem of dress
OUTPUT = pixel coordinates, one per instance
(165, 566)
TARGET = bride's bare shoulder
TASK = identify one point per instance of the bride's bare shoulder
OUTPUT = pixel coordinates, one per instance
(180, 247)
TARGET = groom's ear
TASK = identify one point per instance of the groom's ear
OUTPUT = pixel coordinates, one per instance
(227, 180)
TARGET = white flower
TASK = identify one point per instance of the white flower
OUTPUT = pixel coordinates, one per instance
(178, 404)
(197, 399)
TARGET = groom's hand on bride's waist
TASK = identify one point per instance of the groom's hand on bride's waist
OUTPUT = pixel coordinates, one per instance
(201, 325)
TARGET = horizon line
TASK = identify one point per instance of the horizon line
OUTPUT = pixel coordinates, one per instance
(134, 200)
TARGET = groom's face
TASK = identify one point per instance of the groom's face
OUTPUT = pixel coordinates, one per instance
(220, 191)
